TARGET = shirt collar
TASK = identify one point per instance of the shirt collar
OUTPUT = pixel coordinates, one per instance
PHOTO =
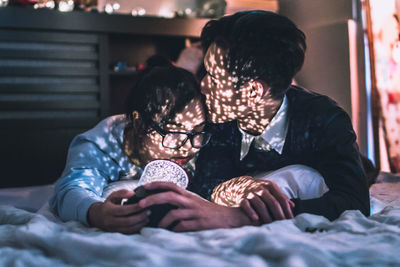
(274, 134)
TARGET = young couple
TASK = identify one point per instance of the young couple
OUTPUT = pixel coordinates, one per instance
(269, 152)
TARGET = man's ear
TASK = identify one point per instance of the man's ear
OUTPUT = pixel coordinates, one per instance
(257, 91)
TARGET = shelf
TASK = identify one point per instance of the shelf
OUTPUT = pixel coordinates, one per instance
(13, 17)
(67, 82)
(127, 73)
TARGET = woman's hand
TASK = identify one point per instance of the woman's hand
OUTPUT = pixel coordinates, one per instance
(193, 213)
(110, 216)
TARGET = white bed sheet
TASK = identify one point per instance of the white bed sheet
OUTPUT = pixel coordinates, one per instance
(30, 198)
(29, 239)
(39, 239)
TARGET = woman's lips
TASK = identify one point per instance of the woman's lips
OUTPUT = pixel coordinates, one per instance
(181, 161)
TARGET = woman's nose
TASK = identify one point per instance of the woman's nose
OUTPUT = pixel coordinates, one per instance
(187, 146)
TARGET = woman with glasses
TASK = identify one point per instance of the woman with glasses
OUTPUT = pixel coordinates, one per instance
(165, 119)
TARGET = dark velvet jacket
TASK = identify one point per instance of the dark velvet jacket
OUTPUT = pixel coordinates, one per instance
(320, 135)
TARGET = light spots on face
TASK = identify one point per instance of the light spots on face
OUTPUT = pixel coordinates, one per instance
(252, 122)
(227, 93)
(191, 119)
(212, 61)
(241, 108)
(265, 121)
(222, 99)
(178, 116)
(230, 96)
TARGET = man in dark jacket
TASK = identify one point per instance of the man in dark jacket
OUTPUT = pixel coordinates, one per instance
(251, 58)
(261, 123)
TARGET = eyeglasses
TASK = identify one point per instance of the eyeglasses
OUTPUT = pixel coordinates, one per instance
(176, 140)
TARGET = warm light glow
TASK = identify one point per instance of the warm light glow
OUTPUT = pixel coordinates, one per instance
(231, 193)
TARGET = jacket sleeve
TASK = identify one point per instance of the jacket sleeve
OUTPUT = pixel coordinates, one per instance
(87, 172)
(337, 159)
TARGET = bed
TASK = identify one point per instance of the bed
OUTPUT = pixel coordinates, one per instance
(31, 236)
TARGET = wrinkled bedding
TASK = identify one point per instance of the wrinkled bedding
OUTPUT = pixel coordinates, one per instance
(39, 239)
(29, 239)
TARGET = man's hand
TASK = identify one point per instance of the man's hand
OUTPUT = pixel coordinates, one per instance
(193, 213)
(261, 200)
(110, 216)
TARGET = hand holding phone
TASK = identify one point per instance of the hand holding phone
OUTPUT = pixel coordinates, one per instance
(157, 211)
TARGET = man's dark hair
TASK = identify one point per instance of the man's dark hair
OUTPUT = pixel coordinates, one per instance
(261, 44)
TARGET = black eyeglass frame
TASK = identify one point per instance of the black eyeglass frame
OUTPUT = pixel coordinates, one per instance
(189, 135)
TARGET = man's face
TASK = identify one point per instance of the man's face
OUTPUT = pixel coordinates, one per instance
(224, 101)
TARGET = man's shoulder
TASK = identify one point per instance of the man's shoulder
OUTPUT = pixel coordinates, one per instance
(304, 101)
(300, 95)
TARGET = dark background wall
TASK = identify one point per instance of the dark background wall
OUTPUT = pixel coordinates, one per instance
(327, 66)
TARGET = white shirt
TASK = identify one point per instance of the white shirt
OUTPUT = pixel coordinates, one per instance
(273, 136)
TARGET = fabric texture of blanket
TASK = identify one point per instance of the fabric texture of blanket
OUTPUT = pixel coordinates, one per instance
(29, 239)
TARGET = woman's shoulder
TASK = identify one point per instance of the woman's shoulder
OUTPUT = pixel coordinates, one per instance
(107, 134)
(104, 142)
(113, 125)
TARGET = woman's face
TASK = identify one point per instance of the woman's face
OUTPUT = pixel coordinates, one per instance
(192, 119)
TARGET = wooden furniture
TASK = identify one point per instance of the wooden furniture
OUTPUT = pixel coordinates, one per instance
(56, 79)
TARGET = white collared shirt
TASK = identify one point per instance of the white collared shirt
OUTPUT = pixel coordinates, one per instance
(273, 136)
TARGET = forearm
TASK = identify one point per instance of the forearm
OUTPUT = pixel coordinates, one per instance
(348, 189)
(331, 205)
(337, 159)
(93, 214)
(73, 204)
(75, 193)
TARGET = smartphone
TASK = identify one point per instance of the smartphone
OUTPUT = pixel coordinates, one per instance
(157, 211)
